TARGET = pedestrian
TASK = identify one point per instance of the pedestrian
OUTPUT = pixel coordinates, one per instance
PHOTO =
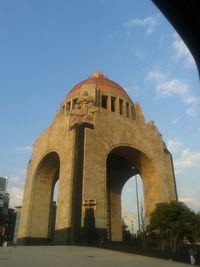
(192, 253)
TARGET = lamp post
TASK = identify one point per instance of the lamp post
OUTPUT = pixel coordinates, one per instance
(137, 201)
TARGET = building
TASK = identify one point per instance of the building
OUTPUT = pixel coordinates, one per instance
(97, 140)
(4, 199)
(130, 219)
(3, 183)
(7, 215)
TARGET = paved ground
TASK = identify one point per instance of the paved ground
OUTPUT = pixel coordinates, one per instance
(73, 256)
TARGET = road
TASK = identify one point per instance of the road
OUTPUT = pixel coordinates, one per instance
(74, 256)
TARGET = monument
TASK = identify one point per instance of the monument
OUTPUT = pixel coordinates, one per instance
(97, 140)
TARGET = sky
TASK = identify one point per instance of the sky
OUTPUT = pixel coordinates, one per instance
(46, 47)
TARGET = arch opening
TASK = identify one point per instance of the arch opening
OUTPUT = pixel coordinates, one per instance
(43, 212)
(53, 207)
(123, 163)
(132, 203)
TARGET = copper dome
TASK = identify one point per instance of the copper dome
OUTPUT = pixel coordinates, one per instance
(99, 79)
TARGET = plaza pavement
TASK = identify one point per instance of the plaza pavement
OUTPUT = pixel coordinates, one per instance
(74, 256)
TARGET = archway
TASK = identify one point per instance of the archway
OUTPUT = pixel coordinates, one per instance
(123, 163)
(132, 203)
(53, 208)
(43, 211)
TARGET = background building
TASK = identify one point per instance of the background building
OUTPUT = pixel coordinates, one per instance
(130, 219)
(3, 183)
(7, 215)
(4, 199)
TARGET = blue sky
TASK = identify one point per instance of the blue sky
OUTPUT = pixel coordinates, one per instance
(46, 47)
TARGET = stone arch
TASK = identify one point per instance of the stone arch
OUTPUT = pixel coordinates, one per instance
(45, 177)
(88, 139)
(123, 162)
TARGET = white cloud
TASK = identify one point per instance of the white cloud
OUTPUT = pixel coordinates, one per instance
(193, 110)
(193, 202)
(186, 200)
(15, 179)
(23, 148)
(190, 196)
(187, 169)
(175, 120)
(16, 196)
(166, 87)
(155, 76)
(181, 51)
(191, 100)
(22, 171)
(174, 145)
(149, 24)
(186, 160)
(171, 87)
(15, 188)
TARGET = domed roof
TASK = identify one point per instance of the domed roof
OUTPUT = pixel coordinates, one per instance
(99, 79)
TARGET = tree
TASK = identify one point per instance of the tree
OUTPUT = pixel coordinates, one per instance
(126, 235)
(170, 222)
(194, 234)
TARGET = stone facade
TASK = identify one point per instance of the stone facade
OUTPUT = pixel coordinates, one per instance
(98, 140)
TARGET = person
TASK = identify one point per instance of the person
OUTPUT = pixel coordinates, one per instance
(192, 256)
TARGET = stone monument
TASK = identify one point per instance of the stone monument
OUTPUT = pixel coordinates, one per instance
(97, 140)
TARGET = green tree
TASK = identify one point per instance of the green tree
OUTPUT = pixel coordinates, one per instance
(194, 233)
(126, 235)
(171, 222)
